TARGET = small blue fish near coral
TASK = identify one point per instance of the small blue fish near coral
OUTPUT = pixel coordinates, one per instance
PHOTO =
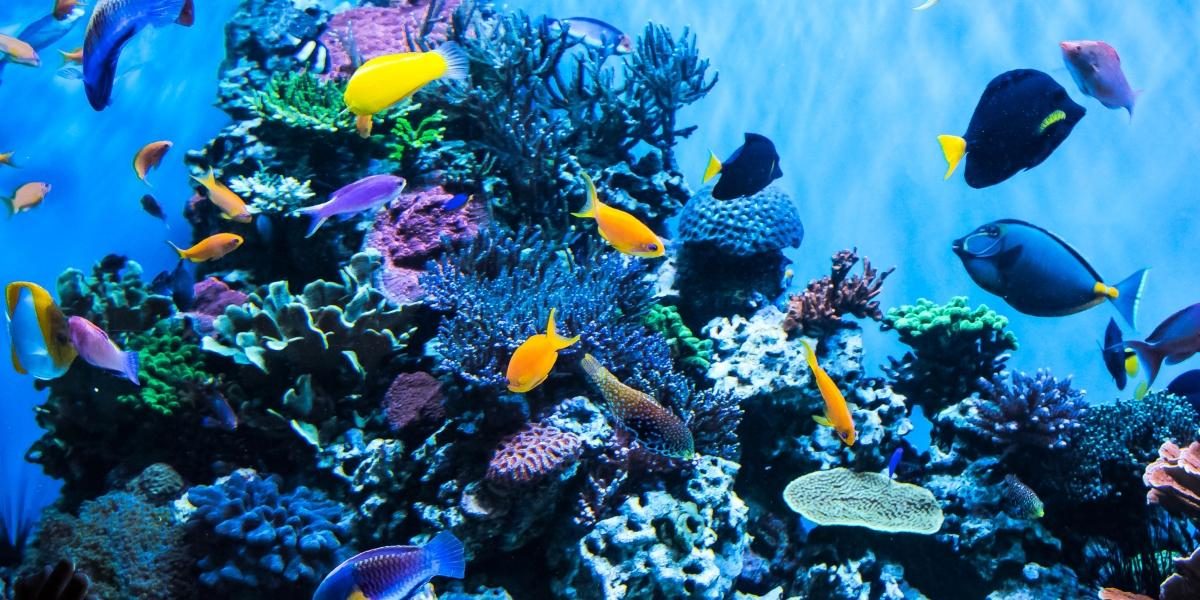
(113, 24)
(365, 194)
(224, 418)
(457, 201)
(894, 462)
(1120, 361)
(394, 572)
(752, 167)
(655, 426)
(1175, 340)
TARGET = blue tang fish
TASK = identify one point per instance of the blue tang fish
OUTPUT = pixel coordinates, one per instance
(394, 572)
(1039, 274)
(1021, 118)
(1174, 340)
(113, 24)
(41, 340)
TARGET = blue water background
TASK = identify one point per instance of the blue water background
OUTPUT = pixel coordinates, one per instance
(853, 92)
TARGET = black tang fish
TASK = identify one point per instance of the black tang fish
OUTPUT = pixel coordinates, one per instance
(747, 171)
(1021, 118)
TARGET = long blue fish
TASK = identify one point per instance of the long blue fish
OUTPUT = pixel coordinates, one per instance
(42, 33)
(394, 572)
(113, 24)
(1175, 340)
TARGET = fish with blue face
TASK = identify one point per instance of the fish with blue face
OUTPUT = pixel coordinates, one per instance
(1175, 340)
(365, 194)
(38, 332)
(1187, 386)
(1039, 274)
(394, 572)
(113, 24)
(178, 284)
(1120, 361)
(597, 34)
(752, 167)
(1096, 69)
(1020, 120)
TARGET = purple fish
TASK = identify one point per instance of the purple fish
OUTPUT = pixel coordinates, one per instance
(226, 419)
(895, 461)
(365, 194)
(1174, 340)
(98, 350)
(1096, 69)
(598, 34)
(394, 571)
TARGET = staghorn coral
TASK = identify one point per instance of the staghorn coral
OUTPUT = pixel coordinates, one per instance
(688, 350)
(114, 296)
(413, 398)
(818, 310)
(532, 454)
(954, 346)
(872, 500)
(1174, 479)
(1018, 409)
(272, 193)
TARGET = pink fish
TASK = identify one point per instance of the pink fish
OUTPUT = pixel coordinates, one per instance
(98, 350)
(1096, 69)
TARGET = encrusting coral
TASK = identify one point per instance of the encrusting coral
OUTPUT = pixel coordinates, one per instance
(820, 308)
(532, 454)
(412, 399)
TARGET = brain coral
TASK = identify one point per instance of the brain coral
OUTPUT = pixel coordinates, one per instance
(872, 500)
(764, 222)
(531, 454)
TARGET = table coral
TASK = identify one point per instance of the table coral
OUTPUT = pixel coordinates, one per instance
(819, 309)
(1174, 478)
(842, 497)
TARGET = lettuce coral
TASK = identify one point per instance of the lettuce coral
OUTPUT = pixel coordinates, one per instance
(872, 500)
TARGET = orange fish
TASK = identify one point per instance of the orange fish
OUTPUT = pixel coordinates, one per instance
(18, 51)
(27, 196)
(233, 208)
(530, 365)
(149, 158)
(210, 248)
(6, 159)
(74, 56)
(63, 8)
(619, 228)
(837, 412)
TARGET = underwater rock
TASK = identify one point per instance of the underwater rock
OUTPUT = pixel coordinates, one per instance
(820, 308)
(864, 577)
(413, 398)
(738, 243)
(371, 31)
(1037, 582)
(157, 484)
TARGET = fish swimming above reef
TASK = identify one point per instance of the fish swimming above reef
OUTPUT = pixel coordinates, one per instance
(597, 34)
(894, 461)
(178, 284)
(457, 201)
(38, 332)
(149, 157)
(1120, 361)
(394, 572)
(388, 79)
(74, 57)
(112, 25)
(97, 349)
(752, 167)
(212, 247)
(1019, 501)
(532, 361)
(1039, 274)
(1096, 69)
(27, 197)
(6, 159)
(1021, 118)
(837, 412)
(1175, 340)
(655, 426)
(365, 194)
(233, 208)
(620, 229)
(153, 208)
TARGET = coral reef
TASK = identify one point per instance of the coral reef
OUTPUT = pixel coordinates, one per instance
(1018, 409)
(819, 309)
(413, 398)
(371, 31)
(170, 367)
(842, 497)
(303, 101)
(686, 349)
(114, 296)
(1174, 479)
(532, 454)
(271, 193)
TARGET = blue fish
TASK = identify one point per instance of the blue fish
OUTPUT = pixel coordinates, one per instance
(895, 462)
(178, 284)
(1120, 361)
(1174, 340)
(457, 202)
(394, 572)
(113, 24)
(226, 419)
(598, 34)
(44, 32)
(1187, 386)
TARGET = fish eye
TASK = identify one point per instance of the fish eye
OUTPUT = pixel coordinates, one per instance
(652, 247)
(982, 242)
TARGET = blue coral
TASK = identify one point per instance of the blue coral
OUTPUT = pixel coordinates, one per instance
(1018, 409)
(265, 539)
(764, 222)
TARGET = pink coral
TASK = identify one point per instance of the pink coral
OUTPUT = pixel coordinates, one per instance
(416, 229)
(532, 454)
(375, 31)
(818, 309)
(213, 295)
(1174, 479)
(413, 398)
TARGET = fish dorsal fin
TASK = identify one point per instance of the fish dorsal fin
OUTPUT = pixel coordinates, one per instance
(1083, 261)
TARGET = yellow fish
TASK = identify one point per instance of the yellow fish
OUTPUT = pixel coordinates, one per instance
(27, 196)
(233, 208)
(530, 365)
(210, 248)
(37, 329)
(619, 228)
(388, 79)
(150, 156)
(6, 159)
(18, 51)
(837, 412)
(73, 57)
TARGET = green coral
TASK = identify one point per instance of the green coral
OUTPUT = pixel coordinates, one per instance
(686, 348)
(954, 347)
(426, 134)
(168, 368)
(304, 101)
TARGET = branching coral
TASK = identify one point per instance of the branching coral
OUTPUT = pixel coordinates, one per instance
(303, 101)
(1174, 479)
(1017, 409)
(714, 416)
(688, 350)
(818, 310)
(954, 347)
(272, 193)
(409, 138)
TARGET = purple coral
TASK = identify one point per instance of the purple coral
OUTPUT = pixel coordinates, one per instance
(415, 230)
(374, 31)
(213, 295)
(1016, 409)
(532, 454)
(413, 398)
(818, 310)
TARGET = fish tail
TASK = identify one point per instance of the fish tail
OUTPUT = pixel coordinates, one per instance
(712, 168)
(208, 181)
(446, 554)
(315, 219)
(1127, 294)
(593, 202)
(187, 14)
(180, 251)
(557, 341)
(953, 148)
(12, 209)
(132, 363)
(1149, 356)
(458, 64)
(809, 355)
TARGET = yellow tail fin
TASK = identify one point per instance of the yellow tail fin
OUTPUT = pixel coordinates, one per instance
(1103, 289)
(953, 148)
(182, 254)
(593, 203)
(208, 181)
(559, 342)
(713, 167)
(822, 420)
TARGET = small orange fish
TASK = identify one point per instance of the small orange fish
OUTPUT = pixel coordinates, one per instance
(619, 228)
(6, 159)
(837, 412)
(210, 248)
(18, 51)
(530, 365)
(75, 56)
(27, 197)
(63, 8)
(149, 158)
(233, 208)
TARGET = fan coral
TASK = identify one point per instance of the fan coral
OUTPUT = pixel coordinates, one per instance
(170, 367)
(687, 349)
(1016, 409)
(413, 398)
(955, 346)
(263, 539)
(1174, 479)
(532, 454)
(818, 310)
(272, 193)
(114, 297)
(872, 500)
